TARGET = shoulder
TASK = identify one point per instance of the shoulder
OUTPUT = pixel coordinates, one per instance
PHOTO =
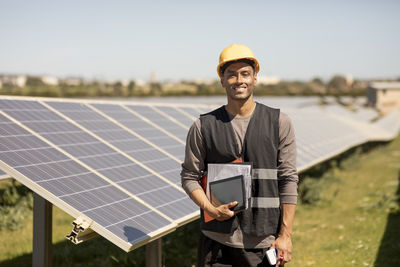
(267, 108)
(284, 119)
(196, 126)
(194, 132)
(212, 113)
(268, 113)
(264, 110)
(286, 128)
(215, 117)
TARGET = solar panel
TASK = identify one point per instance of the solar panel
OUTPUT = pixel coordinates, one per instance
(194, 113)
(390, 124)
(365, 115)
(154, 157)
(76, 189)
(88, 176)
(3, 175)
(320, 136)
(121, 164)
(118, 164)
(171, 124)
(184, 118)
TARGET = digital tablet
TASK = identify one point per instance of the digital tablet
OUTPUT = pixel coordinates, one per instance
(228, 190)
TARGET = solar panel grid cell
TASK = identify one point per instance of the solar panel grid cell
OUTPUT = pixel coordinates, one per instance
(162, 121)
(191, 111)
(182, 117)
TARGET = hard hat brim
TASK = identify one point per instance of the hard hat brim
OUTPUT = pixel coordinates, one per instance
(256, 64)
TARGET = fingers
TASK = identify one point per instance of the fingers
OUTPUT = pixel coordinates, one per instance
(280, 260)
(232, 204)
(225, 212)
(283, 257)
(283, 246)
(280, 263)
(229, 213)
(287, 255)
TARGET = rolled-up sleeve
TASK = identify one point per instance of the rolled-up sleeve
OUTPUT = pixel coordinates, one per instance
(193, 164)
(287, 172)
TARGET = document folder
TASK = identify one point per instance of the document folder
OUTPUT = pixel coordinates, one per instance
(221, 171)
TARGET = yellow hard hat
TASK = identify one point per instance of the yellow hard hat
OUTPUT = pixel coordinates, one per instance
(236, 52)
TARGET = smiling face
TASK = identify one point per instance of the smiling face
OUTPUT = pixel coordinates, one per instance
(239, 80)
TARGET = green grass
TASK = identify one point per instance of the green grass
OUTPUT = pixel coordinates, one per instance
(357, 220)
(354, 221)
(16, 247)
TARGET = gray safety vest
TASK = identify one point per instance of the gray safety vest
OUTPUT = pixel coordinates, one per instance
(260, 147)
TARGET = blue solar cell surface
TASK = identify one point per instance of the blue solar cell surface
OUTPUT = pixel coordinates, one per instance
(100, 156)
(166, 124)
(151, 157)
(182, 117)
(195, 113)
(73, 184)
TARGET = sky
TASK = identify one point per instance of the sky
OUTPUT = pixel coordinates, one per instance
(112, 40)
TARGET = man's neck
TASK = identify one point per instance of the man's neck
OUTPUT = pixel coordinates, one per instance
(241, 108)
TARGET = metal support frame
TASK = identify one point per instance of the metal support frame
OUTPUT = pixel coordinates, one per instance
(42, 231)
(154, 253)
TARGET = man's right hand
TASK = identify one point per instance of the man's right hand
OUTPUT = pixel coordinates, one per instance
(223, 212)
(220, 213)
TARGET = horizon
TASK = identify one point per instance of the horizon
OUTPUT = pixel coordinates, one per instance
(373, 79)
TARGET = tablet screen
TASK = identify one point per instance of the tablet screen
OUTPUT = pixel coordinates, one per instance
(228, 190)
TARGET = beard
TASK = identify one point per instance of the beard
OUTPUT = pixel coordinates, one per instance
(244, 96)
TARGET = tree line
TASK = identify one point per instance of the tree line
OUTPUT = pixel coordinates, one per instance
(34, 86)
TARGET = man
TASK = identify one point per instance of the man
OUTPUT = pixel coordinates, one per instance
(254, 133)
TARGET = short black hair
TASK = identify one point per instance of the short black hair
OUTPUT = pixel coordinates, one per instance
(245, 60)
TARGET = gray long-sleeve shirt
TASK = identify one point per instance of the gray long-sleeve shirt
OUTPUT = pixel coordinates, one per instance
(287, 173)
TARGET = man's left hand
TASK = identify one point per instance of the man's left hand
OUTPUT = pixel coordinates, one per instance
(283, 246)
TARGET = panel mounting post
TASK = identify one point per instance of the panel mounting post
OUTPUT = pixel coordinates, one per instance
(154, 253)
(42, 231)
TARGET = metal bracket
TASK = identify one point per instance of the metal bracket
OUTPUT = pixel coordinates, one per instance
(81, 230)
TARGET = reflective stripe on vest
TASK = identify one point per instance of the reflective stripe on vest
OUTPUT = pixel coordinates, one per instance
(265, 174)
(264, 202)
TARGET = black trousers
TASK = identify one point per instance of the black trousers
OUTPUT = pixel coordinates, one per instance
(211, 253)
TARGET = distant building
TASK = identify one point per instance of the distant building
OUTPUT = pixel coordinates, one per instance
(125, 82)
(20, 80)
(201, 81)
(140, 82)
(349, 79)
(268, 80)
(14, 80)
(153, 77)
(73, 81)
(384, 95)
(49, 80)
